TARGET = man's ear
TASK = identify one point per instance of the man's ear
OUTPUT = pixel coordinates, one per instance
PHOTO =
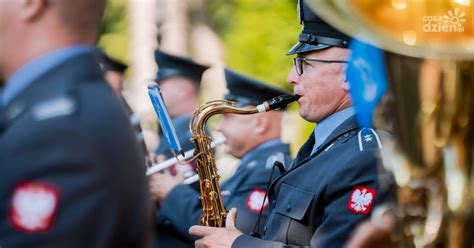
(32, 9)
(261, 123)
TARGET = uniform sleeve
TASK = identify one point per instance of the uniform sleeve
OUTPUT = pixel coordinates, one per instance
(349, 199)
(248, 199)
(81, 197)
(181, 209)
(244, 241)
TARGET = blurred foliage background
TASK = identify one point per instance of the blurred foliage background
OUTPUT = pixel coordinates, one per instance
(255, 35)
(115, 39)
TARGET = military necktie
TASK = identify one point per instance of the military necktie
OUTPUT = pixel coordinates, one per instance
(304, 152)
(3, 120)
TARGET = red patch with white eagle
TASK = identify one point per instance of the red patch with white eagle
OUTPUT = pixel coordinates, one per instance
(361, 200)
(255, 202)
(33, 207)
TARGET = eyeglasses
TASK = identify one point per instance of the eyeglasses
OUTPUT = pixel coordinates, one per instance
(298, 63)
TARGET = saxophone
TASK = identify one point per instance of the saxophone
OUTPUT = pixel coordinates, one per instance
(213, 211)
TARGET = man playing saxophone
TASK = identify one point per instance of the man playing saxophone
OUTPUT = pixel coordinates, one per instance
(255, 140)
(333, 183)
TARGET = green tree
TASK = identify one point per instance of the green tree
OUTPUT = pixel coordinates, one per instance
(256, 36)
(114, 39)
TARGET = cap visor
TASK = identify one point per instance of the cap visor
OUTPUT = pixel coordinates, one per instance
(301, 47)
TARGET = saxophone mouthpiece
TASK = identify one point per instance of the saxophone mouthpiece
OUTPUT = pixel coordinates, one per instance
(278, 102)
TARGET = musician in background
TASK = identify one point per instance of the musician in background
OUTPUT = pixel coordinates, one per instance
(71, 170)
(114, 75)
(180, 80)
(255, 140)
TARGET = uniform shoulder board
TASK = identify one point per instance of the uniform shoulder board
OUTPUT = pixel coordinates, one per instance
(56, 107)
(367, 137)
(252, 164)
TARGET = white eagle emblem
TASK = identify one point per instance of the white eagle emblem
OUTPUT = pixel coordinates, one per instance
(185, 168)
(33, 207)
(361, 200)
(255, 201)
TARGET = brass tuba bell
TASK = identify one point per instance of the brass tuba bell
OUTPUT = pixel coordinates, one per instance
(429, 108)
(418, 28)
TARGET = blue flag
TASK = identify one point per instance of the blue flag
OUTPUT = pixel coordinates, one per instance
(367, 77)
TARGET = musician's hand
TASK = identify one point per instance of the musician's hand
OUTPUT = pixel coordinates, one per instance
(369, 234)
(215, 236)
(153, 159)
(157, 158)
(161, 185)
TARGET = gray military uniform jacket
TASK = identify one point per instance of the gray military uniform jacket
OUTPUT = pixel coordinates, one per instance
(68, 150)
(321, 198)
(244, 191)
